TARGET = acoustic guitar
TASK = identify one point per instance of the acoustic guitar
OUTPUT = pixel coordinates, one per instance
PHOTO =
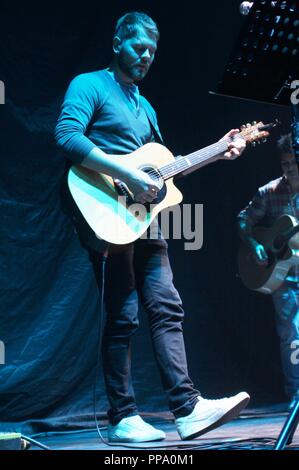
(109, 207)
(281, 242)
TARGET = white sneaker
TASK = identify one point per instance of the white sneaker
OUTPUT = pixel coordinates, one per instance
(134, 429)
(209, 414)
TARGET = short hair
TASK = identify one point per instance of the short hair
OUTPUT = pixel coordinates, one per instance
(127, 25)
(285, 143)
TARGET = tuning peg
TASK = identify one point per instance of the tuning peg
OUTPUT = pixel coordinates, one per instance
(253, 144)
(254, 123)
(264, 140)
(248, 124)
(243, 126)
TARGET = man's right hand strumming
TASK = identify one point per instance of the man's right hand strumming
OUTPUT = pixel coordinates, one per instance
(257, 249)
(142, 186)
(139, 183)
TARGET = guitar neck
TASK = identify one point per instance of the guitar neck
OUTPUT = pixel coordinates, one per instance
(205, 155)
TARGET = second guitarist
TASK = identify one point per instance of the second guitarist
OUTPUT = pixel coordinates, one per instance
(276, 198)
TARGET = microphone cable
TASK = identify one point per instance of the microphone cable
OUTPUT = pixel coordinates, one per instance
(100, 340)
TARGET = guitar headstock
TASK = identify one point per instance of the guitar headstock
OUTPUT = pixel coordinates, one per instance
(257, 131)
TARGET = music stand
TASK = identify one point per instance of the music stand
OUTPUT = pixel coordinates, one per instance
(264, 67)
(264, 62)
(289, 428)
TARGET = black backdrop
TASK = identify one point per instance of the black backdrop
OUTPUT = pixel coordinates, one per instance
(48, 296)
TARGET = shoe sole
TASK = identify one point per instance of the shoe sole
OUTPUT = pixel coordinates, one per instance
(231, 414)
(136, 441)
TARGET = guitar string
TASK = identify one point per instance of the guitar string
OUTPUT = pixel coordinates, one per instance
(173, 168)
(204, 154)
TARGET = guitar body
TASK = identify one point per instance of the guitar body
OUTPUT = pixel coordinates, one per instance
(282, 257)
(109, 208)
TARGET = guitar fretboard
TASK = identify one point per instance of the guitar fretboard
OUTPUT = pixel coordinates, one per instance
(206, 154)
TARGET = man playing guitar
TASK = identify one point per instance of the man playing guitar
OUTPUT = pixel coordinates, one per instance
(277, 198)
(103, 117)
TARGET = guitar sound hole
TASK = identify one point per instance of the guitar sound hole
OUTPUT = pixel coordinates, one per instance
(155, 176)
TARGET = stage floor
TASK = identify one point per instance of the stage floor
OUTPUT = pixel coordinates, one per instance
(255, 429)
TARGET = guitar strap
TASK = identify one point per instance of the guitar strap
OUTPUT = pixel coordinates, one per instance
(151, 118)
(154, 126)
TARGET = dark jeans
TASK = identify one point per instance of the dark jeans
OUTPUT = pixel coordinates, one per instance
(142, 270)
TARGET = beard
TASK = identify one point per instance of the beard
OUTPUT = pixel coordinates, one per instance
(130, 70)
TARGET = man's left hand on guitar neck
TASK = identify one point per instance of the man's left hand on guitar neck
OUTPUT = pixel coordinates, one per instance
(236, 147)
